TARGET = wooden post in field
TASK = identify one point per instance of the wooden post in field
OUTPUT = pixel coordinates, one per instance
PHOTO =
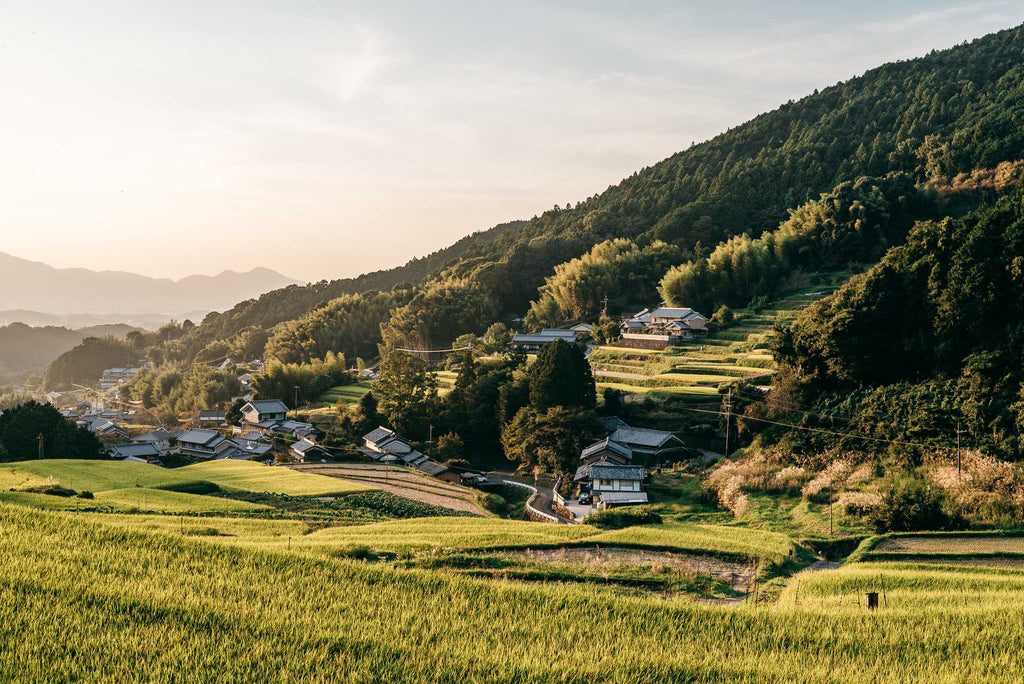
(881, 581)
(289, 543)
(182, 521)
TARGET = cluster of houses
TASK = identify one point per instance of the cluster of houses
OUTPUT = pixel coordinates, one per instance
(387, 446)
(251, 439)
(664, 326)
(607, 472)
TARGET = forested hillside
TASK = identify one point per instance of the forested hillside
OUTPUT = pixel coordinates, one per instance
(24, 348)
(931, 118)
(928, 339)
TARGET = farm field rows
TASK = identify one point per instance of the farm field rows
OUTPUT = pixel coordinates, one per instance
(142, 603)
(699, 368)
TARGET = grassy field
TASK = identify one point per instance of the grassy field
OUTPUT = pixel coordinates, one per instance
(103, 476)
(151, 606)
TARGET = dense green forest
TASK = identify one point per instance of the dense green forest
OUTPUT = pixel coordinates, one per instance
(928, 339)
(32, 430)
(949, 113)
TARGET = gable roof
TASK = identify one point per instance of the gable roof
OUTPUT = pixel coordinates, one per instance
(268, 405)
(378, 434)
(138, 450)
(304, 445)
(204, 437)
(154, 435)
(610, 471)
(644, 437)
(607, 444)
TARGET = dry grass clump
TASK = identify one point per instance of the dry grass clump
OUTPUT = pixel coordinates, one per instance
(859, 504)
(987, 488)
(832, 477)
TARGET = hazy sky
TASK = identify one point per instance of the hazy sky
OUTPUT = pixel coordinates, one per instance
(326, 139)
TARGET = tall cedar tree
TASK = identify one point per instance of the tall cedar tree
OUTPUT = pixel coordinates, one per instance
(561, 376)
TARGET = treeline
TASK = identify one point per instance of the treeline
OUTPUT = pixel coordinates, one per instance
(936, 117)
(168, 392)
(30, 430)
(85, 363)
(619, 269)
(928, 339)
(349, 325)
(280, 380)
(855, 223)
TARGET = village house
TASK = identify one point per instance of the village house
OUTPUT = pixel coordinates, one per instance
(260, 411)
(145, 452)
(205, 444)
(267, 416)
(159, 437)
(660, 446)
(213, 418)
(250, 448)
(112, 377)
(662, 327)
(387, 446)
(107, 430)
(533, 342)
(309, 452)
(607, 474)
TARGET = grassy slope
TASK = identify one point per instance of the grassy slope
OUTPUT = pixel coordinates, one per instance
(144, 607)
(102, 476)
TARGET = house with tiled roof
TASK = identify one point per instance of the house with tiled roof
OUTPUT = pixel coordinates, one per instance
(201, 443)
(146, 452)
(606, 473)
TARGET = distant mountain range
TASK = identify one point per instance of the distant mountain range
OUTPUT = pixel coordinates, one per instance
(31, 287)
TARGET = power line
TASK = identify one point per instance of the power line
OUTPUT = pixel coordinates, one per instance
(829, 432)
(432, 351)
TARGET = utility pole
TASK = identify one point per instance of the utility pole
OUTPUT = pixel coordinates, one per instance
(728, 415)
(604, 311)
(430, 441)
(40, 440)
(830, 532)
(958, 461)
(296, 396)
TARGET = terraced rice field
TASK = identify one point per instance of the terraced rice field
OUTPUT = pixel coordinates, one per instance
(698, 369)
(402, 482)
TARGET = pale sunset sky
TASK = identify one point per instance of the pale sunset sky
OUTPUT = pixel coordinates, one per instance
(326, 139)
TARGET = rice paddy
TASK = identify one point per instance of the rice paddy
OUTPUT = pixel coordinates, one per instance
(85, 600)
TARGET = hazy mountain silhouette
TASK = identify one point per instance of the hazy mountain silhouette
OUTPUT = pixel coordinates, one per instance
(37, 287)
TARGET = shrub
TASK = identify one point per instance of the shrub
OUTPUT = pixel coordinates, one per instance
(910, 505)
(495, 503)
(86, 494)
(618, 518)
(858, 504)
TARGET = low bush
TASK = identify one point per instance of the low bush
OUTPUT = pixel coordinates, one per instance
(618, 518)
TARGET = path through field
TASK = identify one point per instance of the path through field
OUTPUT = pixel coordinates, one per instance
(402, 482)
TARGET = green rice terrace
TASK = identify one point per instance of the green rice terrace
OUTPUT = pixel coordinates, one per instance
(122, 572)
(696, 370)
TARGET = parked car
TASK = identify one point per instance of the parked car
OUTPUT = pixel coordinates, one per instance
(586, 498)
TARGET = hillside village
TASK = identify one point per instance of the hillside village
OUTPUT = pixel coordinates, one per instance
(262, 429)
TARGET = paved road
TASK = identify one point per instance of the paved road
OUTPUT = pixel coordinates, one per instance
(545, 496)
